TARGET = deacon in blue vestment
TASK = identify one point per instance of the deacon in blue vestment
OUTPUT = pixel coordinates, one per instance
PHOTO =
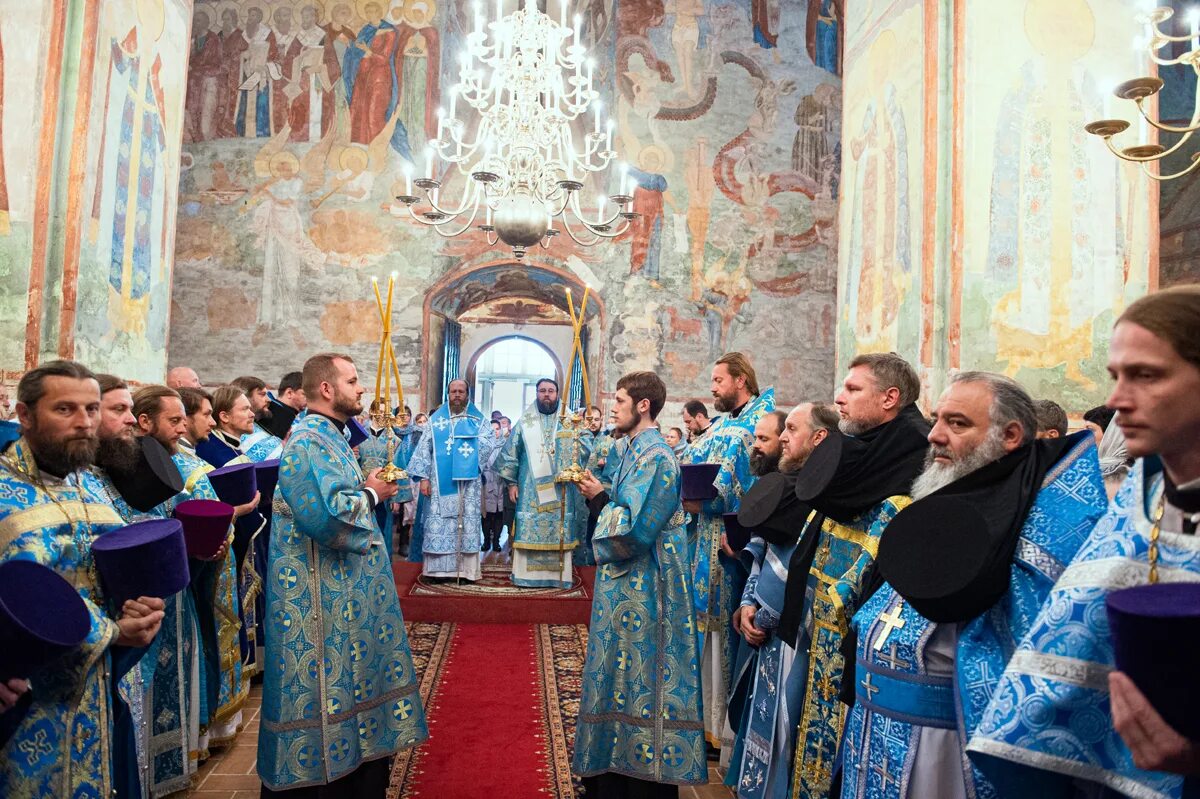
(1064, 666)
(372, 455)
(714, 565)
(640, 730)
(455, 447)
(339, 691)
(63, 744)
(546, 532)
(1003, 513)
(766, 692)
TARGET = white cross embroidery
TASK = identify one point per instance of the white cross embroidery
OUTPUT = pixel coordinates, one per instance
(466, 450)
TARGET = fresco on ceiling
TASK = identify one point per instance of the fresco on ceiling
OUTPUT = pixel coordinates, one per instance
(516, 311)
(301, 118)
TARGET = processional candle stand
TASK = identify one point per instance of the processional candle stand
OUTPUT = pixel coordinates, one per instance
(571, 421)
(382, 414)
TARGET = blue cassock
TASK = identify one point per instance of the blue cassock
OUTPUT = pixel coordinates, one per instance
(713, 574)
(62, 746)
(372, 455)
(766, 693)
(640, 713)
(1061, 666)
(339, 687)
(922, 688)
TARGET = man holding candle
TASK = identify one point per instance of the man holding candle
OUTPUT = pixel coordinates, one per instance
(546, 526)
(341, 696)
(454, 449)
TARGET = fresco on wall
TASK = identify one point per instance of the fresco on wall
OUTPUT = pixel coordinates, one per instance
(1057, 227)
(301, 118)
(133, 147)
(24, 48)
(883, 176)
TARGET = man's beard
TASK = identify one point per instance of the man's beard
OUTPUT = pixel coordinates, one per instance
(789, 466)
(457, 407)
(172, 447)
(856, 427)
(627, 429)
(547, 408)
(64, 456)
(118, 455)
(939, 475)
(761, 463)
(263, 413)
(347, 405)
(724, 404)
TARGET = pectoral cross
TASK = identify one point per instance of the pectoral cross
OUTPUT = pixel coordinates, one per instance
(891, 621)
(870, 689)
(449, 445)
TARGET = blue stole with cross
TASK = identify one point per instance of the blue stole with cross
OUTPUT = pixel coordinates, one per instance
(447, 435)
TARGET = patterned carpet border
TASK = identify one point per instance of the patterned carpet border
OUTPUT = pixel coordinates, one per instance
(431, 643)
(561, 650)
(495, 582)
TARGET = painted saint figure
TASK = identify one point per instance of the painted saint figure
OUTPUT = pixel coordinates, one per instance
(315, 71)
(369, 72)
(206, 68)
(257, 73)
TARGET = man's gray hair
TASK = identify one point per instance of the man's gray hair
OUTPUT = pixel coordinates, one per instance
(1010, 402)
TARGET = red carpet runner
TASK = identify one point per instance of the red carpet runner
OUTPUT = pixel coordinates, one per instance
(501, 701)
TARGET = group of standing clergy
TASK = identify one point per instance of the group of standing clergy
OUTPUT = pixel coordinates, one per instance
(919, 610)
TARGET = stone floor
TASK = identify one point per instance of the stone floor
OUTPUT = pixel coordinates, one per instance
(229, 773)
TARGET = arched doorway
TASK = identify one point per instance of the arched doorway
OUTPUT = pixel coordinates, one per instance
(469, 308)
(505, 372)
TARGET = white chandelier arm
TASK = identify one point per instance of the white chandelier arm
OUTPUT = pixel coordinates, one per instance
(1190, 128)
(567, 227)
(1161, 178)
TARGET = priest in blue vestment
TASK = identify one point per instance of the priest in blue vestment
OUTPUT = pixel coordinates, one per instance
(62, 745)
(455, 447)
(640, 731)
(996, 515)
(1093, 726)
(714, 565)
(856, 481)
(546, 533)
(764, 701)
(340, 695)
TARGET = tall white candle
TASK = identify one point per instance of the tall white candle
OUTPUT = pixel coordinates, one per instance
(429, 156)
(562, 14)
(408, 179)
(600, 210)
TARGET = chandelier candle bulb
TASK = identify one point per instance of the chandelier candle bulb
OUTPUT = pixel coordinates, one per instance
(408, 180)
(453, 100)
(578, 22)
(600, 210)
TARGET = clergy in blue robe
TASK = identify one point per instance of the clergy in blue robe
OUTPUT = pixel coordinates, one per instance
(764, 703)
(258, 443)
(640, 719)
(340, 695)
(62, 745)
(1064, 666)
(455, 447)
(930, 651)
(716, 574)
(548, 527)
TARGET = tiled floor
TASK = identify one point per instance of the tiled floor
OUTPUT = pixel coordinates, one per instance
(229, 773)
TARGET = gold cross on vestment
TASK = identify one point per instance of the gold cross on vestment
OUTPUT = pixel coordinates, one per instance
(891, 621)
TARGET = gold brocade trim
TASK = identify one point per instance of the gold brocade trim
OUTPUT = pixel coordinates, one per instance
(42, 515)
(567, 547)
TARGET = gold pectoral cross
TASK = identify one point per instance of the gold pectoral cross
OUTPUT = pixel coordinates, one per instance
(891, 621)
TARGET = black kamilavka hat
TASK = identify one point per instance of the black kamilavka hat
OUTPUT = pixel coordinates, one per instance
(154, 479)
(772, 510)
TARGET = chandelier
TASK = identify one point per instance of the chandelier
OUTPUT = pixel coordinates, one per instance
(531, 92)
(1140, 89)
